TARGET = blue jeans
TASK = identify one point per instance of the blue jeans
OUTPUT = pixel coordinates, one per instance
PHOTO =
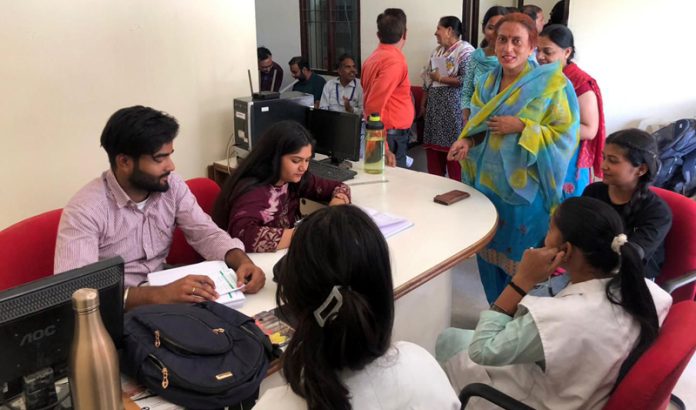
(398, 144)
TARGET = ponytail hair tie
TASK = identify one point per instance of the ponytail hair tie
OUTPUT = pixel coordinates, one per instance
(618, 241)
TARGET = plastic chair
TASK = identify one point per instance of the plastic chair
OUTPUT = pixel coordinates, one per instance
(649, 383)
(27, 249)
(678, 274)
(206, 192)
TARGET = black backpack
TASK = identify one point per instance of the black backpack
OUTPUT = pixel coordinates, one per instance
(677, 146)
(201, 356)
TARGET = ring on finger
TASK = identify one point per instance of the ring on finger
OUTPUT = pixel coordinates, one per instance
(193, 291)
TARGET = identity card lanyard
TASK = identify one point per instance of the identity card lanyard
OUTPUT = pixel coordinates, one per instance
(352, 94)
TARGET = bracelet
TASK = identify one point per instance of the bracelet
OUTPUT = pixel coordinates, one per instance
(125, 297)
(498, 309)
(517, 289)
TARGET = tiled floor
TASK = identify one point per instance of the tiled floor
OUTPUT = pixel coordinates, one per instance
(469, 300)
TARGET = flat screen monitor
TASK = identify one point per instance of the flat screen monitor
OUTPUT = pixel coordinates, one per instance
(37, 320)
(337, 134)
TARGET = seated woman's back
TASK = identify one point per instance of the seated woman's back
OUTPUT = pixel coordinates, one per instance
(336, 281)
(570, 350)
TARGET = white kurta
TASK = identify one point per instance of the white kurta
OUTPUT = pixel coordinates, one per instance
(406, 377)
(585, 338)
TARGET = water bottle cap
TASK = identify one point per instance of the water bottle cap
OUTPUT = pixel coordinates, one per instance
(374, 117)
(85, 300)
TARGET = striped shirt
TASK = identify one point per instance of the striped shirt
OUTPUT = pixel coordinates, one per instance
(101, 222)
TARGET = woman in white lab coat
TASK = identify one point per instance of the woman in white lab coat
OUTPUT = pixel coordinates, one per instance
(570, 350)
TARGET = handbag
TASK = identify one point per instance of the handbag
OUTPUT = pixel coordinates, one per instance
(201, 356)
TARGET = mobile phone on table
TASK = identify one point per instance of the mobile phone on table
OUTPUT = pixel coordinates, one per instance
(448, 198)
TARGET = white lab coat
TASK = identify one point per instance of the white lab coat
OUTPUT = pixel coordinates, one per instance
(585, 337)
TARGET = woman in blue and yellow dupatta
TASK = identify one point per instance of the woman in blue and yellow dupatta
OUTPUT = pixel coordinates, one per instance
(516, 147)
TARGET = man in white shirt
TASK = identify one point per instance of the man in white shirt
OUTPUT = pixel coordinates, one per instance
(343, 93)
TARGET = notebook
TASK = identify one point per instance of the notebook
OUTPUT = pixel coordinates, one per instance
(388, 224)
(224, 278)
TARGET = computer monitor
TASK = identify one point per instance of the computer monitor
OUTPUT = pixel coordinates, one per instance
(337, 134)
(37, 320)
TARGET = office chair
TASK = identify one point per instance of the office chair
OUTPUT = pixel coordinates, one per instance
(27, 249)
(649, 383)
(678, 274)
(206, 192)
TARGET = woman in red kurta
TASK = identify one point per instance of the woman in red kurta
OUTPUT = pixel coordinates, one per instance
(260, 202)
(556, 43)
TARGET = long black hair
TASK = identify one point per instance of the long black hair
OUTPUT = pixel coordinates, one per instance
(639, 147)
(490, 13)
(592, 226)
(262, 166)
(561, 36)
(339, 248)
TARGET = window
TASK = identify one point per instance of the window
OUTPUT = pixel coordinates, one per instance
(329, 28)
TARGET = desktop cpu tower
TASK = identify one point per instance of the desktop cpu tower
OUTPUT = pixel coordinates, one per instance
(252, 117)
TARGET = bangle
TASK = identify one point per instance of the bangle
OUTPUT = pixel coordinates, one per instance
(517, 289)
(125, 297)
(498, 309)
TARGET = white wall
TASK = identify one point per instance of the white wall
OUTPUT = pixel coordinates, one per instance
(642, 54)
(422, 21)
(67, 65)
(278, 29)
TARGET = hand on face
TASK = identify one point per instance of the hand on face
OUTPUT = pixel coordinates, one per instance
(538, 264)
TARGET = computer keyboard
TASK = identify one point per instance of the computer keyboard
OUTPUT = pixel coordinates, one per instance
(332, 172)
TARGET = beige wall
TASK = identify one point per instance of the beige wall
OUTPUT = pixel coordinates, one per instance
(69, 64)
(422, 20)
(641, 53)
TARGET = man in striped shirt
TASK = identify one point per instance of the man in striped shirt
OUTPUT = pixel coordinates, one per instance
(132, 210)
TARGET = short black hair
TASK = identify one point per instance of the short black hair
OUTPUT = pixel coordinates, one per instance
(343, 57)
(391, 26)
(263, 53)
(300, 61)
(136, 131)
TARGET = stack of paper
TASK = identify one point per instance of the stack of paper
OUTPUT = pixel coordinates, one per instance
(389, 224)
(225, 280)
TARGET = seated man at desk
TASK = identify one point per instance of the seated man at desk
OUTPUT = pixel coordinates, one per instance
(260, 201)
(307, 81)
(344, 93)
(131, 210)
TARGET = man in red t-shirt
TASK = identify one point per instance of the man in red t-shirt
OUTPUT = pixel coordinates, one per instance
(386, 86)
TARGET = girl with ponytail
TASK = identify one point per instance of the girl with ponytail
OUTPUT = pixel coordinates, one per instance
(568, 351)
(630, 163)
(336, 281)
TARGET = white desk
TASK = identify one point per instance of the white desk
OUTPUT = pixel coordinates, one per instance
(422, 256)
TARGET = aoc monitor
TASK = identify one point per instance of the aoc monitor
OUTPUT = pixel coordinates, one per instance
(337, 134)
(37, 320)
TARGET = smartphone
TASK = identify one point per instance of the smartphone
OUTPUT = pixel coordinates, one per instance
(448, 198)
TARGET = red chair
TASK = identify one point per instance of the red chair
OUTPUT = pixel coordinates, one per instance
(206, 192)
(418, 95)
(678, 274)
(649, 383)
(27, 249)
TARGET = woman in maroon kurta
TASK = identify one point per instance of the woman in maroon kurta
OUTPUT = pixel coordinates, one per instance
(260, 201)
(556, 43)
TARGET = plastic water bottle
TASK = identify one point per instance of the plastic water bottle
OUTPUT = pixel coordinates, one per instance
(374, 145)
(94, 373)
